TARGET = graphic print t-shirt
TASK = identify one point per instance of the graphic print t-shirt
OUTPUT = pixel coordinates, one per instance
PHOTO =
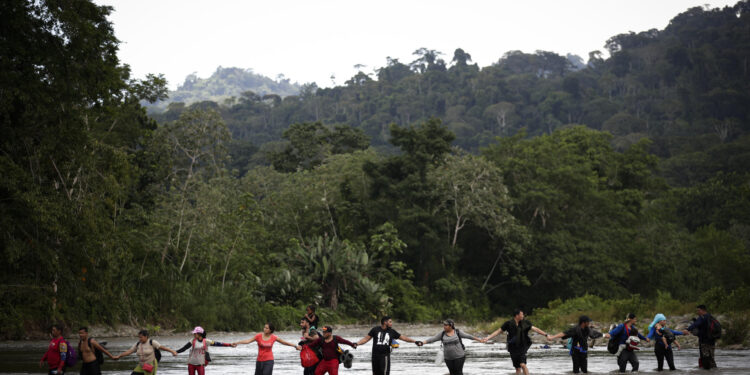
(381, 340)
(264, 347)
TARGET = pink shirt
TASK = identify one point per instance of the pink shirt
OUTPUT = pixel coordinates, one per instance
(264, 347)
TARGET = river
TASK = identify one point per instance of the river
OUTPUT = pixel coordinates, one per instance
(22, 357)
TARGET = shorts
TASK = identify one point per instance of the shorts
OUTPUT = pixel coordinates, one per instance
(91, 368)
(518, 359)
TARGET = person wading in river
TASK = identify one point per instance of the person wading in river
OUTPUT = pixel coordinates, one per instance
(56, 352)
(453, 347)
(663, 338)
(381, 346)
(87, 348)
(623, 332)
(265, 340)
(146, 349)
(518, 339)
(309, 335)
(579, 343)
(706, 341)
(197, 359)
(330, 345)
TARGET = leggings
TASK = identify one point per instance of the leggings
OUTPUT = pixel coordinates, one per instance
(662, 353)
(264, 368)
(200, 369)
(455, 366)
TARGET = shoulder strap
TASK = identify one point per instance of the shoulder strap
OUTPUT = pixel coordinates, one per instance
(458, 333)
(193, 344)
(89, 343)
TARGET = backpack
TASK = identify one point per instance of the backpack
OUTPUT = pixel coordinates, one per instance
(668, 335)
(459, 339)
(157, 352)
(714, 328)
(308, 357)
(71, 357)
(613, 345)
(97, 353)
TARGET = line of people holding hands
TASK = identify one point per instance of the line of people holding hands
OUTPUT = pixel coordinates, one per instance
(326, 346)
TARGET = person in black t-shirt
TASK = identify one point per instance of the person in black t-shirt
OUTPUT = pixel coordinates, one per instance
(518, 339)
(381, 346)
(579, 343)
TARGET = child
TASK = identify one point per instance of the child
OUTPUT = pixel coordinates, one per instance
(630, 344)
(198, 358)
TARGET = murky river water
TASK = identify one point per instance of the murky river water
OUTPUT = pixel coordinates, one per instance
(23, 357)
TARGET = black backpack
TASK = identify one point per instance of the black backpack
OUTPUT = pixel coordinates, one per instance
(97, 353)
(459, 339)
(157, 352)
(714, 328)
(613, 344)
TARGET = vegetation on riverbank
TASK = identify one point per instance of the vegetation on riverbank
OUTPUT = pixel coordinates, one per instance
(631, 177)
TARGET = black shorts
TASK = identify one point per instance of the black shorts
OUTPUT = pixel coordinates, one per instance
(517, 359)
(91, 368)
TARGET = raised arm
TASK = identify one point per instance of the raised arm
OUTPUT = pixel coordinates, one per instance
(283, 342)
(539, 331)
(493, 334)
(407, 339)
(364, 340)
(125, 353)
(101, 348)
(184, 347)
(243, 342)
(433, 339)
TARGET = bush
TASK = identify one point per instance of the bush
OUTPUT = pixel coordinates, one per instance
(736, 329)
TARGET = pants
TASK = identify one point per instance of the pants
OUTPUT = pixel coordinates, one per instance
(330, 366)
(264, 367)
(310, 370)
(663, 352)
(200, 369)
(54, 372)
(707, 356)
(381, 365)
(91, 368)
(627, 356)
(455, 366)
(580, 362)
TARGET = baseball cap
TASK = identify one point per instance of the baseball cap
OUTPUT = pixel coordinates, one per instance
(198, 329)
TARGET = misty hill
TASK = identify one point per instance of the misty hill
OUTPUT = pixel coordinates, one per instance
(226, 83)
(686, 88)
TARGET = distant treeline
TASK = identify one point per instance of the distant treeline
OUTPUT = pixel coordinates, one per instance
(509, 186)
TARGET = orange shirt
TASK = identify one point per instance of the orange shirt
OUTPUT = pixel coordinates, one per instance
(264, 347)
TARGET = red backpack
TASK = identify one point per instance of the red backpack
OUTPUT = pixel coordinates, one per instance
(308, 356)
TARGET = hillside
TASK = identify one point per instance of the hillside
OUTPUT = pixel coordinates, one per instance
(226, 85)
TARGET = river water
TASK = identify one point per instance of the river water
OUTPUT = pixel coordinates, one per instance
(22, 357)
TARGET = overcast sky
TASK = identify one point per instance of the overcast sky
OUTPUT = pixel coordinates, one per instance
(308, 40)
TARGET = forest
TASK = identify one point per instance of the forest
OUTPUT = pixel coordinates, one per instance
(430, 189)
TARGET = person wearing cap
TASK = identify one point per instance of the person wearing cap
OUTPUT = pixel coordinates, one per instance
(663, 338)
(453, 348)
(706, 342)
(266, 339)
(199, 351)
(623, 331)
(330, 344)
(381, 346)
(518, 341)
(579, 344)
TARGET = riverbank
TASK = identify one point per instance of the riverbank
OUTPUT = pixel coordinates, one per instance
(677, 322)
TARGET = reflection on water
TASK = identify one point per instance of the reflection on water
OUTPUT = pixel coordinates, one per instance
(23, 358)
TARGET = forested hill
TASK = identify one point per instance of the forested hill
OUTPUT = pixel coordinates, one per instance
(686, 88)
(225, 86)
(627, 180)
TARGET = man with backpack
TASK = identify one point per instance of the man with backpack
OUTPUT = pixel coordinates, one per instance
(57, 352)
(519, 341)
(626, 352)
(91, 352)
(709, 330)
(331, 351)
(579, 342)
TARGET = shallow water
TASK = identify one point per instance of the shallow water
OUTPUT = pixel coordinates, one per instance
(23, 357)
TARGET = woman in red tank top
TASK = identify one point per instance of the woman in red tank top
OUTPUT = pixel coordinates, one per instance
(265, 340)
